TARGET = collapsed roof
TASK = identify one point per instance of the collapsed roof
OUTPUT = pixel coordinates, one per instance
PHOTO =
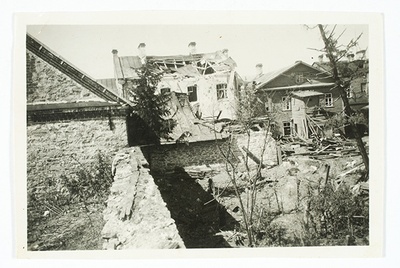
(181, 65)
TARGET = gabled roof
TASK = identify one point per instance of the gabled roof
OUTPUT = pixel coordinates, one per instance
(264, 79)
(186, 65)
(306, 85)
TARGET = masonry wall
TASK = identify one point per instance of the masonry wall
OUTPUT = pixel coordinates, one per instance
(166, 158)
(136, 215)
(47, 84)
(61, 148)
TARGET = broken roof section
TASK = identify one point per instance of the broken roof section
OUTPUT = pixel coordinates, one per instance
(184, 65)
(189, 128)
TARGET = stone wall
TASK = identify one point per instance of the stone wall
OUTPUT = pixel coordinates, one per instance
(60, 148)
(47, 84)
(136, 215)
(257, 140)
(164, 158)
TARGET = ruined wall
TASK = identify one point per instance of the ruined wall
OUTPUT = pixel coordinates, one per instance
(256, 144)
(136, 215)
(168, 157)
(59, 148)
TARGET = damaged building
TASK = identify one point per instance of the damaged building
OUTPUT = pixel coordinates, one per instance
(208, 81)
(300, 98)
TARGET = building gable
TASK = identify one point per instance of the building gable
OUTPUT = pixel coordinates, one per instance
(299, 73)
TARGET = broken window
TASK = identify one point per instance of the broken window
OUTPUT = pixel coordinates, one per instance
(328, 100)
(192, 93)
(222, 91)
(165, 90)
(287, 129)
(286, 103)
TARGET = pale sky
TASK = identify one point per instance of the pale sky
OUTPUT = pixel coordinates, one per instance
(275, 46)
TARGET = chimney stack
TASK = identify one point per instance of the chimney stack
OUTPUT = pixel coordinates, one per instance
(192, 48)
(115, 60)
(259, 69)
(142, 52)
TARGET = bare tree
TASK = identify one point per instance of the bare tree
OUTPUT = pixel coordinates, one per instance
(335, 53)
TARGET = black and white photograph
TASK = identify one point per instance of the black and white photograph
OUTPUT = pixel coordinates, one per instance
(201, 136)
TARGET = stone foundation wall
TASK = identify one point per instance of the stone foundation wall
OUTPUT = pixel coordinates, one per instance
(60, 148)
(166, 158)
(136, 215)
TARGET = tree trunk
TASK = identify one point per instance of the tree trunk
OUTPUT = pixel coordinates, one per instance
(348, 111)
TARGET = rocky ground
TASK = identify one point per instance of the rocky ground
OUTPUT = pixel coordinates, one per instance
(205, 209)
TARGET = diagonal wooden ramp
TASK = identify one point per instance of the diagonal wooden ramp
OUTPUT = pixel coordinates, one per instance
(45, 53)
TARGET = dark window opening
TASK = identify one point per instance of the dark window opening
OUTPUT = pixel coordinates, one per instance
(287, 130)
(192, 93)
(165, 90)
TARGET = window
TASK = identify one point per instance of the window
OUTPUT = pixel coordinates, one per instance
(364, 88)
(192, 92)
(328, 100)
(222, 92)
(299, 78)
(286, 103)
(165, 90)
(287, 129)
(349, 93)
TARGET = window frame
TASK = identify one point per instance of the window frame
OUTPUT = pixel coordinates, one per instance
(299, 78)
(329, 100)
(162, 90)
(222, 88)
(288, 126)
(288, 101)
(191, 91)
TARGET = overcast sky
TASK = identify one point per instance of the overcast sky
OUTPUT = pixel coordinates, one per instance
(275, 46)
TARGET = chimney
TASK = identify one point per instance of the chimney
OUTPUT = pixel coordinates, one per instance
(321, 58)
(350, 56)
(115, 61)
(259, 69)
(142, 52)
(192, 48)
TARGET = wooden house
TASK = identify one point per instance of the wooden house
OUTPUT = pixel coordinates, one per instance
(300, 98)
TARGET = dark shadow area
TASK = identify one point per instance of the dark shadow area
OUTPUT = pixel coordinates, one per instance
(138, 132)
(197, 216)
